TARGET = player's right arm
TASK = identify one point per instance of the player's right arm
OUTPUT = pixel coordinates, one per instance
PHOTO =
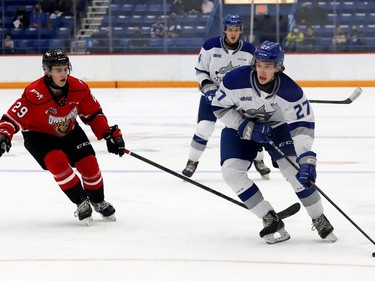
(11, 123)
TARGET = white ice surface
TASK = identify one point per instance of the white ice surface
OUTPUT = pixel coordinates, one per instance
(168, 229)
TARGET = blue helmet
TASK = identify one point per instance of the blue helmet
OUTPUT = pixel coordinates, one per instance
(270, 52)
(232, 20)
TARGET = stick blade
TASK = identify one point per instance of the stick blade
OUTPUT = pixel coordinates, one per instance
(357, 92)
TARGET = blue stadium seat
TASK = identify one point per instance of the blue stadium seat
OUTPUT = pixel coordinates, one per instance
(155, 9)
(115, 9)
(30, 33)
(56, 44)
(187, 31)
(122, 20)
(126, 9)
(140, 9)
(17, 33)
(63, 33)
(67, 21)
(118, 32)
(45, 33)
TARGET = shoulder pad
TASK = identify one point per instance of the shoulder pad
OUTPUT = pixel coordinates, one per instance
(76, 84)
(289, 90)
(238, 78)
(212, 43)
(37, 92)
(248, 47)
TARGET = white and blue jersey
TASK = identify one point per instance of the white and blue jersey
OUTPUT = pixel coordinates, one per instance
(286, 106)
(215, 59)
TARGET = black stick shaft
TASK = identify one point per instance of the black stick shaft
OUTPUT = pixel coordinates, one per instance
(321, 192)
(165, 169)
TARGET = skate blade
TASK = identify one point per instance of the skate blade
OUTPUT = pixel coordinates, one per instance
(110, 218)
(281, 236)
(331, 237)
(88, 221)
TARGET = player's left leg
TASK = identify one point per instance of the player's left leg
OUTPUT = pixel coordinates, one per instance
(260, 166)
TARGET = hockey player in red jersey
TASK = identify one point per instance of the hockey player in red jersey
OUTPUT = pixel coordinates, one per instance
(46, 113)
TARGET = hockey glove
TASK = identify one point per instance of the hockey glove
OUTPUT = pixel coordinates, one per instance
(6, 134)
(115, 142)
(307, 168)
(254, 131)
(209, 91)
(5, 144)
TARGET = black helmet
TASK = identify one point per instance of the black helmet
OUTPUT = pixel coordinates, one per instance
(54, 58)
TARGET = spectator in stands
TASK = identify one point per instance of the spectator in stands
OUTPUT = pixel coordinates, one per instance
(20, 18)
(38, 18)
(8, 44)
(340, 40)
(309, 41)
(356, 40)
(99, 43)
(193, 7)
(178, 7)
(174, 28)
(47, 6)
(158, 28)
(318, 15)
(293, 40)
(310, 14)
(137, 41)
(302, 14)
(207, 6)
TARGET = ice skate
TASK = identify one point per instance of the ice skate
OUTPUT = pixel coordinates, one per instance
(262, 169)
(190, 168)
(105, 209)
(84, 212)
(324, 228)
(273, 226)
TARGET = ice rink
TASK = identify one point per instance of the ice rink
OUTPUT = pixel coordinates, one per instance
(168, 229)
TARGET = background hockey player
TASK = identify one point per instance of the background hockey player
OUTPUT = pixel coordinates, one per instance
(47, 115)
(218, 56)
(257, 103)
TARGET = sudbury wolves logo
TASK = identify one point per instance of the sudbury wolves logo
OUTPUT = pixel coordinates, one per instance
(258, 114)
(223, 70)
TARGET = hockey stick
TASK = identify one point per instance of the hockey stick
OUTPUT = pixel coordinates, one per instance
(319, 190)
(291, 210)
(165, 169)
(357, 92)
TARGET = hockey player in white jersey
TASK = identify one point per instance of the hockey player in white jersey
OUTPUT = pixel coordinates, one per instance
(218, 56)
(258, 103)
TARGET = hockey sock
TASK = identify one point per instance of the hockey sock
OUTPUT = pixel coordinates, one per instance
(91, 177)
(58, 164)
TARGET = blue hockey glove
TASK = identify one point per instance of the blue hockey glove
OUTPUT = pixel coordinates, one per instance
(307, 168)
(254, 131)
(115, 142)
(209, 91)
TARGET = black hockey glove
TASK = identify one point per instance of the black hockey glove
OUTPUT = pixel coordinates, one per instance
(115, 142)
(5, 144)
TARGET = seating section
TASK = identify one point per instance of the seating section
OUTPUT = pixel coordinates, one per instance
(125, 16)
(29, 39)
(122, 17)
(346, 14)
